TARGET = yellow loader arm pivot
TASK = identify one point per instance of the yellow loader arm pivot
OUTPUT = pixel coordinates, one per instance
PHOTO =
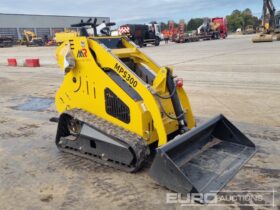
(116, 105)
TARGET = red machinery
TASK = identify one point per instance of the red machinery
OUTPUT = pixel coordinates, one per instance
(171, 32)
(223, 28)
(214, 28)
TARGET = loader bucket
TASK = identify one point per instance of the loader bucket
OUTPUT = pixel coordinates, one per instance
(202, 160)
(262, 38)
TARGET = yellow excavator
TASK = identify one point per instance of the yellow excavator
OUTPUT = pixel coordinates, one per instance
(32, 39)
(119, 108)
(270, 24)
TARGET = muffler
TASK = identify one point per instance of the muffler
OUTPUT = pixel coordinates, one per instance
(202, 160)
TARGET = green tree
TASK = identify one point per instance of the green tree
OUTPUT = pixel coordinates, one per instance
(247, 12)
(236, 12)
(235, 22)
(242, 19)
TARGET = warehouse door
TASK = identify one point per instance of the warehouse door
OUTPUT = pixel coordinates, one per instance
(9, 32)
(43, 32)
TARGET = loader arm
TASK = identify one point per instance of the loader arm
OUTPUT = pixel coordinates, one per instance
(136, 53)
(107, 59)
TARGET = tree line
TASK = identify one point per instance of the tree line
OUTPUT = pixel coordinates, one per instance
(237, 19)
(242, 19)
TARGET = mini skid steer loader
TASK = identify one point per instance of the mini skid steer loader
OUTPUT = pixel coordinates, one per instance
(117, 106)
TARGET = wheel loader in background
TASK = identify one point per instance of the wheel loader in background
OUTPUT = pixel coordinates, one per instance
(117, 107)
(270, 24)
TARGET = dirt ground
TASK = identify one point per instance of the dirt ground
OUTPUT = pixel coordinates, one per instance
(233, 76)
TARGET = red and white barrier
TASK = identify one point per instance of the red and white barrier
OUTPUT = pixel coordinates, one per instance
(33, 62)
(12, 62)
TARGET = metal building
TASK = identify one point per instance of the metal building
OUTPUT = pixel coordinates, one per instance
(43, 25)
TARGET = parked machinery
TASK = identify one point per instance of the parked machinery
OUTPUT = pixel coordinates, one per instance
(249, 30)
(270, 23)
(181, 34)
(6, 41)
(214, 28)
(171, 32)
(142, 34)
(101, 29)
(32, 39)
(117, 107)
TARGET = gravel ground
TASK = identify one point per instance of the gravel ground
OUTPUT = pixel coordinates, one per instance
(232, 76)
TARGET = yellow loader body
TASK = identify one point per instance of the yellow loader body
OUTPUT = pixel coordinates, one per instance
(85, 89)
(116, 106)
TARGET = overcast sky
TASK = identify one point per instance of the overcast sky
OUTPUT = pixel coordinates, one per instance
(133, 11)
